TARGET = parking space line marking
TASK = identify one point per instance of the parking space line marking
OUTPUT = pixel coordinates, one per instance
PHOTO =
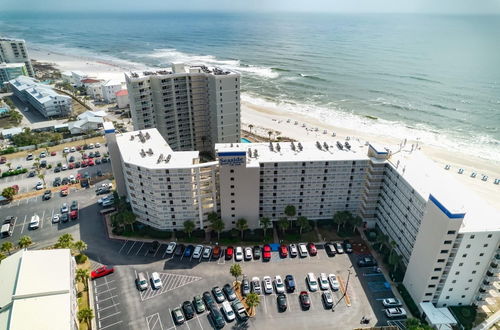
(105, 283)
(102, 318)
(108, 298)
(43, 216)
(24, 222)
(158, 249)
(131, 248)
(122, 247)
(110, 325)
(109, 289)
(137, 253)
(51, 217)
(165, 253)
(199, 322)
(173, 321)
(265, 304)
(102, 309)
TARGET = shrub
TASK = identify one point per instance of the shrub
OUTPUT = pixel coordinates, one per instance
(14, 172)
(408, 300)
(80, 258)
(8, 150)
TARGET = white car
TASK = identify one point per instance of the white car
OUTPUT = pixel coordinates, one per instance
(34, 222)
(268, 285)
(238, 253)
(333, 282)
(56, 218)
(109, 198)
(66, 150)
(323, 282)
(391, 302)
(248, 253)
(72, 178)
(395, 312)
(107, 202)
(97, 145)
(197, 251)
(39, 186)
(72, 149)
(312, 282)
(156, 280)
(293, 250)
(171, 247)
(64, 167)
(207, 251)
(302, 250)
(256, 285)
(91, 146)
(43, 154)
(64, 208)
(279, 286)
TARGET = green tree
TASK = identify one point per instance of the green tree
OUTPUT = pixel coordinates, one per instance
(9, 193)
(24, 242)
(242, 225)
(250, 127)
(85, 315)
(218, 226)
(235, 271)
(252, 300)
(393, 246)
(270, 133)
(382, 240)
(303, 223)
(212, 216)
(123, 218)
(356, 221)
(82, 275)
(80, 246)
(7, 247)
(42, 177)
(290, 211)
(283, 224)
(340, 218)
(2, 256)
(65, 241)
(189, 226)
(9, 165)
(265, 224)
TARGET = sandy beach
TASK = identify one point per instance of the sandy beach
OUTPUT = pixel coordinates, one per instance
(272, 118)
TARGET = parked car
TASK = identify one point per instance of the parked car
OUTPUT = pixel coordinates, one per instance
(395, 312)
(228, 311)
(53, 153)
(256, 252)
(197, 251)
(188, 309)
(267, 284)
(156, 282)
(64, 217)
(239, 309)
(171, 248)
(228, 290)
(302, 250)
(327, 299)
(216, 252)
(141, 281)
(334, 283)
(391, 302)
(339, 248)
(305, 300)
(283, 251)
(289, 283)
(207, 252)
(3, 160)
(207, 298)
(177, 316)
(39, 186)
(64, 208)
(216, 317)
(323, 281)
(229, 252)
(29, 157)
(248, 253)
(47, 195)
(312, 249)
(256, 285)
(188, 251)
(293, 250)
(238, 253)
(282, 302)
(34, 222)
(312, 282)
(347, 247)
(31, 174)
(367, 261)
(219, 296)
(198, 304)
(74, 206)
(330, 249)
(101, 271)
(245, 286)
(266, 252)
(55, 218)
(279, 286)
(179, 250)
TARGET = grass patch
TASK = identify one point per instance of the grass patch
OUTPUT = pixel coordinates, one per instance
(408, 300)
(295, 237)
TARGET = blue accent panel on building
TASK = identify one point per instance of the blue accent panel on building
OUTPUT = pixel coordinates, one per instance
(231, 154)
(109, 131)
(445, 210)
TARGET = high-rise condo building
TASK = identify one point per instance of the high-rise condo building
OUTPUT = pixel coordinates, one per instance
(193, 107)
(15, 51)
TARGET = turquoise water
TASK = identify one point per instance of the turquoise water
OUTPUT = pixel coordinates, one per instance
(427, 76)
(245, 140)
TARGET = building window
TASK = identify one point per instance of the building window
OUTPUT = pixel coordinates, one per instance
(450, 289)
(444, 251)
(451, 232)
(467, 246)
(473, 272)
(431, 286)
(447, 242)
(472, 236)
(481, 254)
(457, 273)
(485, 245)
(464, 255)
(437, 269)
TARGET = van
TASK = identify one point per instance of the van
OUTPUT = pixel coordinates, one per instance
(228, 311)
(216, 316)
(6, 230)
(141, 281)
(312, 282)
(302, 250)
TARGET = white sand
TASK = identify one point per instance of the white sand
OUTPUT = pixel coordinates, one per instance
(265, 119)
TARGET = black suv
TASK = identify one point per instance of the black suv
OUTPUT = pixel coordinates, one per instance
(289, 283)
(47, 195)
(74, 206)
(256, 252)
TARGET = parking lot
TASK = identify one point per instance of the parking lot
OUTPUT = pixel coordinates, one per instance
(185, 277)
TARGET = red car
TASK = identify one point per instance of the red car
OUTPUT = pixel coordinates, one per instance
(53, 153)
(216, 252)
(71, 166)
(3, 160)
(266, 252)
(73, 215)
(90, 162)
(101, 271)
(84, 163)
(283, 251)
(78, 148)
(312, 249)
(85, 156)
(305, 301)
(229, 252)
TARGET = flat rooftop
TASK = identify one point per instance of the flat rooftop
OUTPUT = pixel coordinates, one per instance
(147, 148)
(181, 69)
(276, 152)
(427, 178)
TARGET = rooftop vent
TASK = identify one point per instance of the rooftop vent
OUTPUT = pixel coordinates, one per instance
(231, 145)
(278, 148)
(249, 152)
(339, 145)
(159, 159)
(143, 153)
(300, 146)
(347, 145)
(255, 153)
(292, 145)
(271, 146)
(150, 151)
(141, 137)
(318, 145)
(131, 138)
(148, 136)
(325, 145)
(168, 158)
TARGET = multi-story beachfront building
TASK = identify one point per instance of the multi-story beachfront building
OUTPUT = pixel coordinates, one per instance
(41, 97)
(9, 71)
(165, 187)
(15, 51)
(447, 236)
(192, 107)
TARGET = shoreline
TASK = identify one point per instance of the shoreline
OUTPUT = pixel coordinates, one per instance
(271, 117)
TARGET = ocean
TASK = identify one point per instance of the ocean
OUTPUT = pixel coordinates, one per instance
(431, 77)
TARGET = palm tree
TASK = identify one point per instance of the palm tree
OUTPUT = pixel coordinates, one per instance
(83, 275)
(65, 241)
(235, 271)
(356, 222)
(65, 155)
(42, 177)
(265, 223)
(393, 246)
(7, 247)
(24, 242)
(283, 224)
(2, 256)
(250, 127)
(80, 246)
(341, 218)
(290, 211)
(252, 300)
(128, 218)
(9, 165)
(189, 226)
(303, 223)
(382, 240)
(218, 226)
(270, 133)
(242, 225)
(85, 315)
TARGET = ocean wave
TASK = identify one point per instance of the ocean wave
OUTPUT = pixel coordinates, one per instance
(169, 55)
(280, 70)
(312, 77)
(479, 145)
(440, 106)
(421, 79)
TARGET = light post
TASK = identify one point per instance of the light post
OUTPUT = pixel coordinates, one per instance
(345, 291)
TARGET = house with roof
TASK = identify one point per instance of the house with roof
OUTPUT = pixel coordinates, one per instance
(122, 99)
(74, 77)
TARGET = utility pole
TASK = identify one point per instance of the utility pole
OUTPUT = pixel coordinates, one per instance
(345, 291)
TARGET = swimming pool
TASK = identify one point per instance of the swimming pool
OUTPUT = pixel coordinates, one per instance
(245, 140)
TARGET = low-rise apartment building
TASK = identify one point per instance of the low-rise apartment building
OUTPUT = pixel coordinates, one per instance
(9, 71)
